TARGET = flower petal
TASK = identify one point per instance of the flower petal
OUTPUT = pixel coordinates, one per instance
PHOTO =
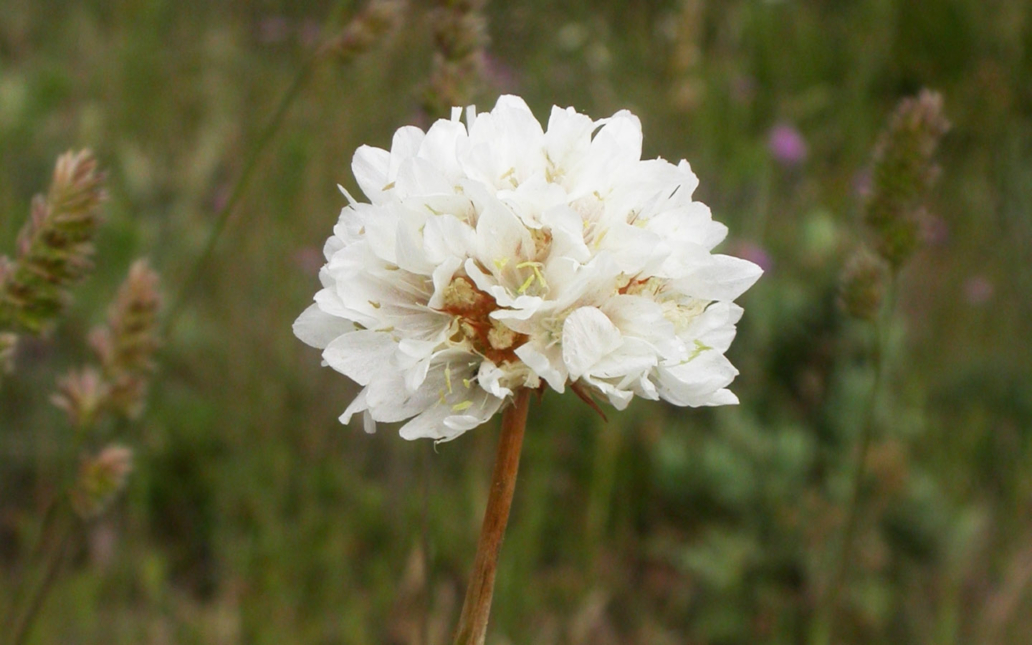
(588, 335)
(317, 328)
(361, 355)
(724, 278)
(371, 166)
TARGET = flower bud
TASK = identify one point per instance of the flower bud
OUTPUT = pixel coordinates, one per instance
(378, 18)
(127, 343)
(55, 247)
(902, 175)
(460, 35)
(101, 479)
(81, 394)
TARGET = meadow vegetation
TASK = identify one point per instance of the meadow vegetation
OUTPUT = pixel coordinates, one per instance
(252, 516)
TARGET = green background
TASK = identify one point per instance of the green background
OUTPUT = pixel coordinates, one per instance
(255, 517)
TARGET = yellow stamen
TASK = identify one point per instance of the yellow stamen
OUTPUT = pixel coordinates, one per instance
(541, 278)
(536, 268)
(526, 284)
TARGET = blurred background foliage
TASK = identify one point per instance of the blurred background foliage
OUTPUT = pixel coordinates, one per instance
(254, 517)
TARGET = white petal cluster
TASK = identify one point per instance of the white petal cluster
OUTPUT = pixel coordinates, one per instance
(496, 255)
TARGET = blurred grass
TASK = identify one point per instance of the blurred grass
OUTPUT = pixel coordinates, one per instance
(253, 516)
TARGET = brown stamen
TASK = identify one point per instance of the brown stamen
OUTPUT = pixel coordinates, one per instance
(472, 308)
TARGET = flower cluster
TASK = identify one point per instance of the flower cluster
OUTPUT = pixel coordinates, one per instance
(460, 34)
(101, 478)
(55, 247)
(365, 29)
(903, 174)
(125, 349)
(499, 255)
(127, 343)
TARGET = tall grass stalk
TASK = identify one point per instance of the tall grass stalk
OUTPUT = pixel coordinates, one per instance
(357, 37)
(826, 623)
(903, 173)
(21, 623)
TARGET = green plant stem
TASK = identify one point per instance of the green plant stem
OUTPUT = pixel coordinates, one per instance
(268, 132)
(52, 568)
(826, 623)
(472, 628)
(243, 181)
(50, 516)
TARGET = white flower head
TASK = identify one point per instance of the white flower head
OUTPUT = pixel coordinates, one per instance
(496, 255)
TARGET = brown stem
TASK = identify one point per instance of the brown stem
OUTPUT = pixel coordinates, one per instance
(475, 610)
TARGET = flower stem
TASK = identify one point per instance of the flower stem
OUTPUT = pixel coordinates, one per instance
(52, 568)
(425, 546)
(472, 628)
(268, 132)
(825, 624)
(221, 218)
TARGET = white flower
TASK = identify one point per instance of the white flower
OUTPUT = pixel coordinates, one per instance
(498, 255)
